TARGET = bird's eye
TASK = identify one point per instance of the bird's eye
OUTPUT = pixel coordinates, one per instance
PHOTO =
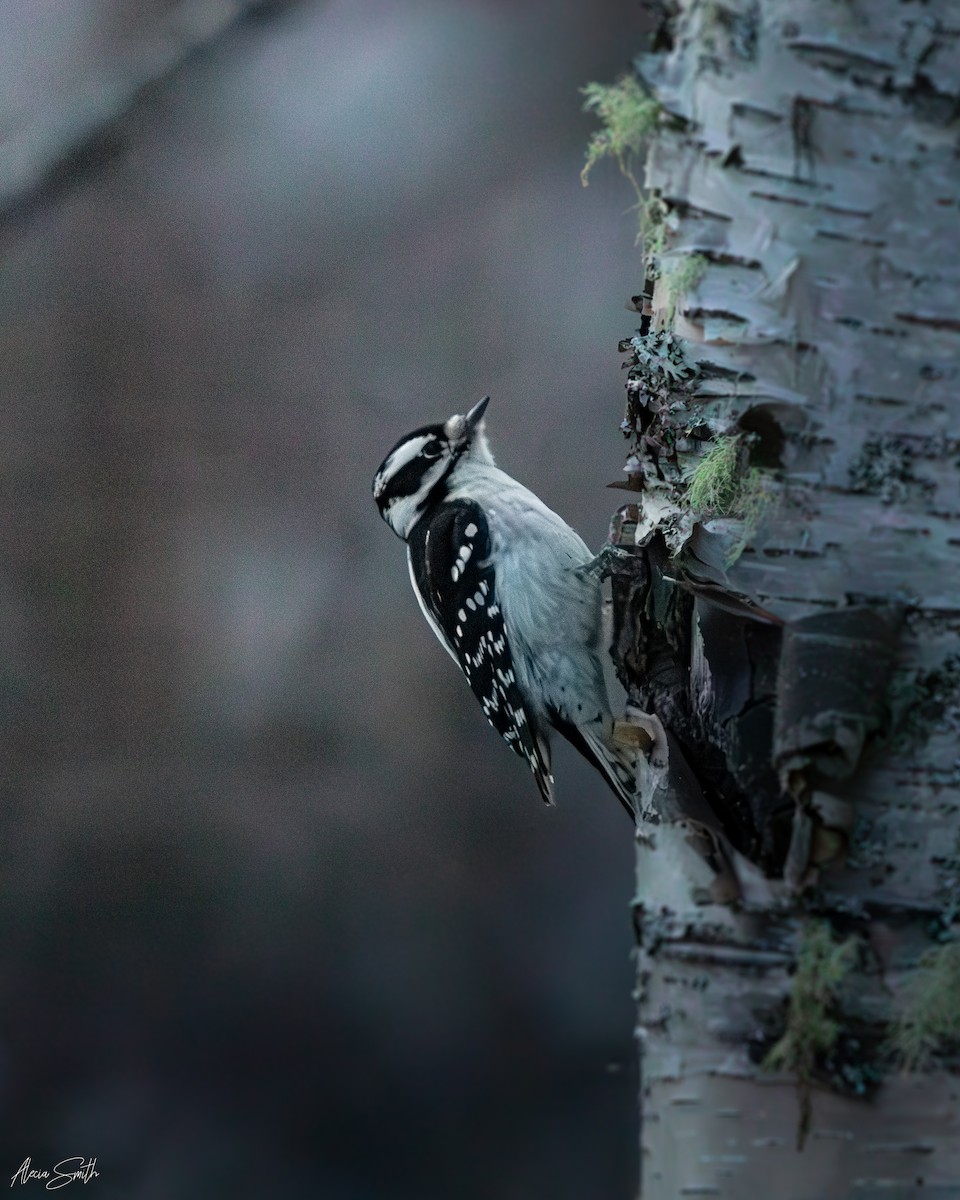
(432, 449)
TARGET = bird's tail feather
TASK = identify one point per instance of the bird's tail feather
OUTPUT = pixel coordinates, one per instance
(617, 763)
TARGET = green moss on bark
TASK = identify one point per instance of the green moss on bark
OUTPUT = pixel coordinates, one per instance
(812, 1028)
(929, 1021)
(627, 117)
(678, 278)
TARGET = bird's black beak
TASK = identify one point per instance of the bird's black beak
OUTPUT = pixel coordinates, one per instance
(475, 415)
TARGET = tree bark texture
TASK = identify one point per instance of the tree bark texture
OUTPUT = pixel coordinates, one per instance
(807, 154)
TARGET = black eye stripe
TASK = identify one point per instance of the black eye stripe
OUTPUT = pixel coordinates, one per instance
(413, 476)
(408, 480)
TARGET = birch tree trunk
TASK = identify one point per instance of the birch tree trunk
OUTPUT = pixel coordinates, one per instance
(796, 369)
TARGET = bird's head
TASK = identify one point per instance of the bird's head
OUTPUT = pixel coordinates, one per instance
(416, 473)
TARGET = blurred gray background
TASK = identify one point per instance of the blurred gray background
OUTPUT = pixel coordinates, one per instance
(280, 914)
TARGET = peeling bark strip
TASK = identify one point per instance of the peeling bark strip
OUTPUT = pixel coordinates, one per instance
(806, 375)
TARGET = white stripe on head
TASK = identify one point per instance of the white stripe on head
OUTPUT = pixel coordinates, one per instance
(398, 460)
(403, 512)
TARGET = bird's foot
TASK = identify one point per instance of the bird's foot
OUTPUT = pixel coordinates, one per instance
(644, 732)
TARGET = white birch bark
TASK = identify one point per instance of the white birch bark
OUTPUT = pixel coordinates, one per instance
(809, 153)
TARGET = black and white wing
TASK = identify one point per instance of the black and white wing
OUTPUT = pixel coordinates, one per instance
(451, 571)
